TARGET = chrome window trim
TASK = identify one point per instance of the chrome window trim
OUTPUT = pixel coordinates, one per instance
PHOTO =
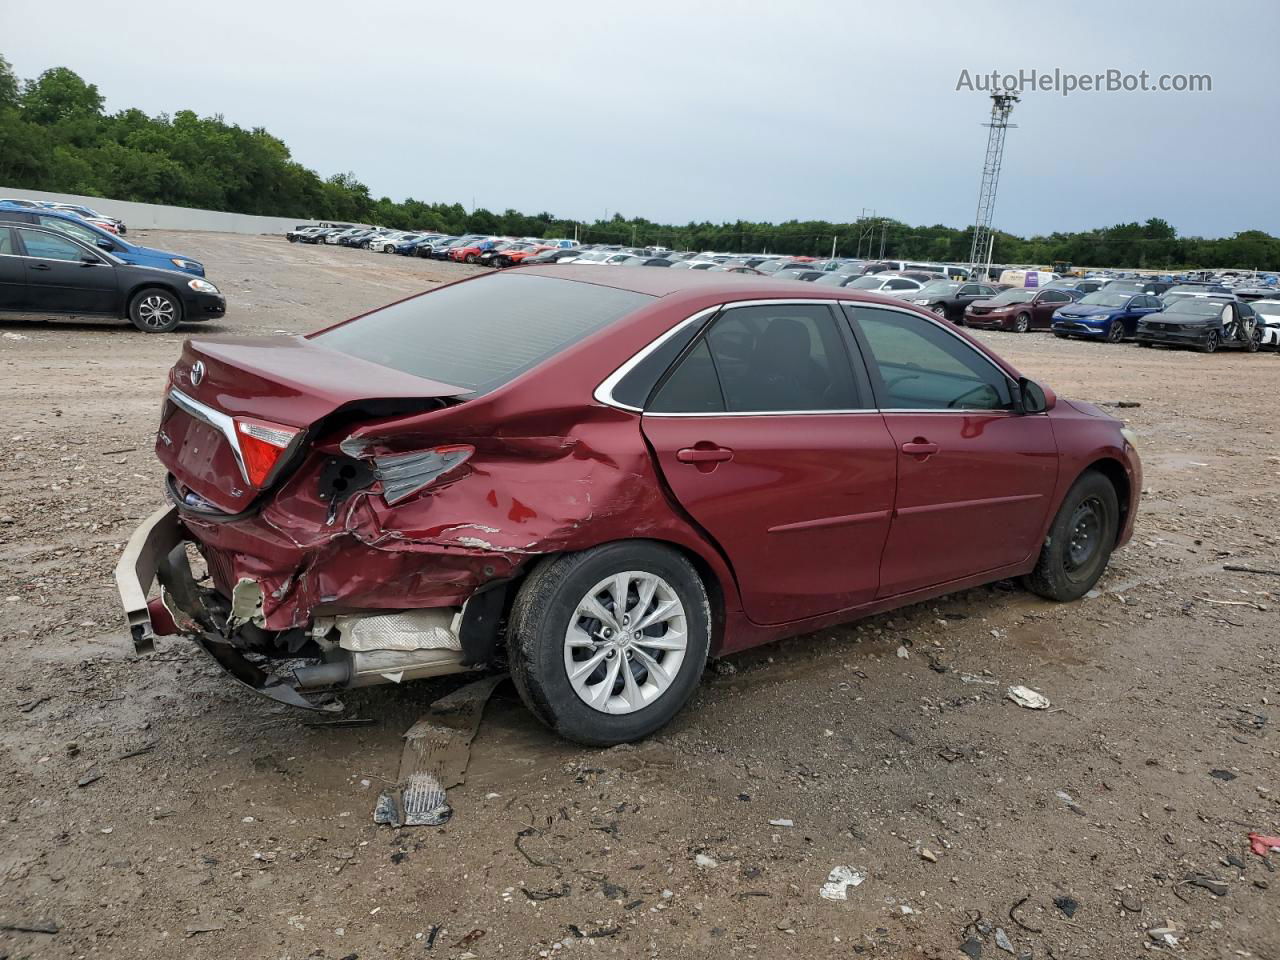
(604, 392)
(214, 418)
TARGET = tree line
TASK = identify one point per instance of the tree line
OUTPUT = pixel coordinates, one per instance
(55, 136)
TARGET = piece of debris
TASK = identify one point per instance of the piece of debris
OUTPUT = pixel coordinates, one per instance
(927, 854)
(1013, 915)
(903, 652)
(1215, 886)
(593, 934)
(537, 896)
(1223, 775)
(1262, 844)
(211, 927)
(1002, 940)
(1070, 802)
(30, 705)
(782, 822)
(703, 860)
(137, 751)
(839, 880)
(1067, 905)
(1233, 568)
(972, 948)
(437, 750)
(16, 336)
(1164, 935)
(30, 926)
(1026, 697)
(93, 776)
(1127, 404)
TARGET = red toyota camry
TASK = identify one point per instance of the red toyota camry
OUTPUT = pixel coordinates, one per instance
(599, 478)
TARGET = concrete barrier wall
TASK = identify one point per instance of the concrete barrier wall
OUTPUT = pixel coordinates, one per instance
(156, 216)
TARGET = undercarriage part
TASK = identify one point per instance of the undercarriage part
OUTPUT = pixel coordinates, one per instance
(351, 669)
(275, 686)
(435, 628)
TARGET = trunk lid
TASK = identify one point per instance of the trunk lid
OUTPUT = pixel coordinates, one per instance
(289, 381)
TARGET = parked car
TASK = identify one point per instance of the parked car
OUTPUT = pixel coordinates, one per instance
(470, 252)
(29, 204)
(887, 284)
(1018, 309)
(93, 216)
(301, 231)
(581, 482)
(387, 242)
(806, 276)
(948, 298)
(1154, 287)
(1268, 314)
(47, 270)
(518, 253)
(122, 249)
(554, 255)
(1206, 323)
(1103, 315)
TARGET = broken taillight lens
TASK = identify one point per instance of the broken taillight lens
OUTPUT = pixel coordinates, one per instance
(262, 445)
(404, 474)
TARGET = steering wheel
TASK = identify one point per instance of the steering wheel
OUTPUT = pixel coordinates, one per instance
(968, 393)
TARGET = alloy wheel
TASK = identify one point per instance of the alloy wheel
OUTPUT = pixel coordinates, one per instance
(1022, 324)
(625, 642)
(156, 312)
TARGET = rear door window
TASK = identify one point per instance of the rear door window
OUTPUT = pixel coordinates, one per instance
(483, 333)
(780, 358)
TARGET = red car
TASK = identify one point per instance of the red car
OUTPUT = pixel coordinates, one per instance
(1019, 309)
(471, 252)
(601, 480)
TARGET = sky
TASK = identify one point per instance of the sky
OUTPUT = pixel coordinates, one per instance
(709, 110)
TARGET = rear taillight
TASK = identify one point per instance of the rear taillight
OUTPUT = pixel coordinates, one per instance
(262, 444)
(404, 474)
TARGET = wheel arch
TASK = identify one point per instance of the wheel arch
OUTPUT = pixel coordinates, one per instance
(142, 285)
(1116, 474)
(704, 568)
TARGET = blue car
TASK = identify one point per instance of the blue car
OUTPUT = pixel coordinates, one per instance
(1104, 316)
(88, 233)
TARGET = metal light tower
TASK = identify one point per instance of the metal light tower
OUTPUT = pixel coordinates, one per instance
(1001, 107)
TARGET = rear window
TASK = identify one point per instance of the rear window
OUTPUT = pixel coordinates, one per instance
(482, 333)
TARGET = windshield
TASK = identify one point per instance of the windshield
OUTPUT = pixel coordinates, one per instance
(1105, 300)
(871, 282)
(1267, 309)
(939, 288)
(1020, 295)
(512, 324)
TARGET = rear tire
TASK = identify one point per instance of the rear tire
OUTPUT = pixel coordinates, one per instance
(1080, 541)
(154, 310)
(552, 630)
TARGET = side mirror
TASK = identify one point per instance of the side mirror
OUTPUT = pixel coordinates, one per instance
(105, 244)
(89, 260)
(1032, 397)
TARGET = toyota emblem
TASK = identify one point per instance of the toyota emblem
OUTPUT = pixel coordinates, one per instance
(197, 373)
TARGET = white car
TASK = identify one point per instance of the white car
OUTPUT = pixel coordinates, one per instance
(386, 243)
(890, 286)
(1268, 312)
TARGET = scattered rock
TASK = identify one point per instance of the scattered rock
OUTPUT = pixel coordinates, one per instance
(1223, 775)
(1067, 905)
(703, 860)
(972, 948)
(1002, 940)
(1131, 901)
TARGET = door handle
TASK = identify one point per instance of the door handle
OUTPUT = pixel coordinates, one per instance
(920, 447)
(41, 266)
(707, 454)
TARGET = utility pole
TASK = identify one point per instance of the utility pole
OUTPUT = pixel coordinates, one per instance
(983, 238)
(833, 247)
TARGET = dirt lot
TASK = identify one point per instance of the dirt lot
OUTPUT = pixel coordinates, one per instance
(222, 826)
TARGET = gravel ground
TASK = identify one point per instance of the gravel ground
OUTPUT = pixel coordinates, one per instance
(220, 825)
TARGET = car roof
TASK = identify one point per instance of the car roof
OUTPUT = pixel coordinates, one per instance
(701, 283)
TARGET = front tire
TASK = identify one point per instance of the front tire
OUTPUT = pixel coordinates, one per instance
(1080, 541)
(607, 645)
(1210, 344)
(1022, 323)
(1115, 332)
(155, 311)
